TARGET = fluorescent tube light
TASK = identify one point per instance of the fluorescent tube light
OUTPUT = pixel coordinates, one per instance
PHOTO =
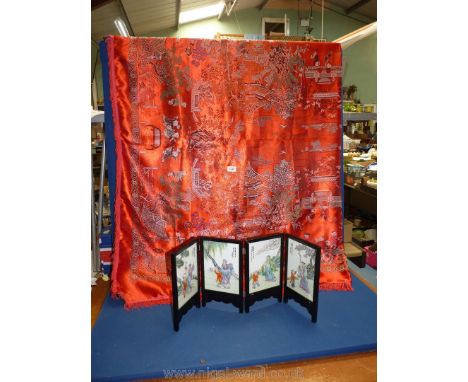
(357, 35)
(200, 13)
(121, 27)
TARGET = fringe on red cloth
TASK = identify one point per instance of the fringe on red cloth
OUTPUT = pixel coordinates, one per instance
(146, 303)
(341, 286)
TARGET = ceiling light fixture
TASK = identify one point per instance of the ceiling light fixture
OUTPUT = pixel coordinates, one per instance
(357, 35)
(200, 13)
(121, 27)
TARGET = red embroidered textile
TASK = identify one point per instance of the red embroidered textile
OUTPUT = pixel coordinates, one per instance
(223, 138)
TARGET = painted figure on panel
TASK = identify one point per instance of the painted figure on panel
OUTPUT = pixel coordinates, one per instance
(191, 267)
(255, 282)
(221, 266)
(293, 278)
(268, 270)
(219, 277)
(186, 263)
(227, 270)
(301, 270)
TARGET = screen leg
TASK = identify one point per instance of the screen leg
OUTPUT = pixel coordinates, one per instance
(314, 315)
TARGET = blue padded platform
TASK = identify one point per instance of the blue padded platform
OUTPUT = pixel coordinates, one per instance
(142, 344)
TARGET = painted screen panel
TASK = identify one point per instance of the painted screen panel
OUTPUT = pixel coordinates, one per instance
(221, 262)
(301, 268)
(187, 271)
(264, 264)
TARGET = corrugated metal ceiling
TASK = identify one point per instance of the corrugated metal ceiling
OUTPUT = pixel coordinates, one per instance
(149, 16)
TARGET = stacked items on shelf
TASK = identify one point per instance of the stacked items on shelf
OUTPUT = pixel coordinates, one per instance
(352, 104)
(360, 127)
(105, 241)
(97, 153)
(359, 142)
(359, 121)
(360, 237)
(352, 251)
(361, 168)
(369, 181)
(105, 250)
(367, 240)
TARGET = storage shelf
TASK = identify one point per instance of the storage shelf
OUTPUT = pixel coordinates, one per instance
(350, 116)
(359, 189)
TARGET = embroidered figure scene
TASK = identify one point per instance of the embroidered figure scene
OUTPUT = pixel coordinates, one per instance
(227, 139)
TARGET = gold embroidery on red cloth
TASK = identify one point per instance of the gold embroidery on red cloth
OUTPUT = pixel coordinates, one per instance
(231, 139)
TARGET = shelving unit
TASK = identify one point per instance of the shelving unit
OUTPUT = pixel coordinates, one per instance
(359, 198)
(350, 116)
(98, 198)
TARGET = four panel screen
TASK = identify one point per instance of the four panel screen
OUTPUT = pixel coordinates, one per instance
(212, 269)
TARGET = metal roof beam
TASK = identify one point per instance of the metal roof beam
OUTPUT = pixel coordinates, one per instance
(356, 6)
(331, 6)
(95, 4)
(263, 4)
(177, 14)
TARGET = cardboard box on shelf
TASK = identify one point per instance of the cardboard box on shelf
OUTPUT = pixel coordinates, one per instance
(96, 129)
(363, 242)
(348, 231)
(355, 254)
(352, 250)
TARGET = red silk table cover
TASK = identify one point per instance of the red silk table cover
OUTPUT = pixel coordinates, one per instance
(224, 138)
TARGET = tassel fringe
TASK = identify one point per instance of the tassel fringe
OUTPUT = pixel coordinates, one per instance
(340, 286)
(146, 304)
